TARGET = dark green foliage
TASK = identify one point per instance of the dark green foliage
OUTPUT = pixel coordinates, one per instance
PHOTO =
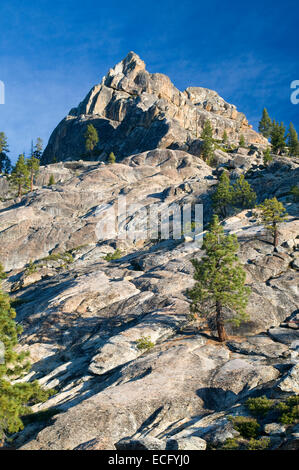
(220, 279)
(3, 274)
(225, 138)
(33, 164)
(243, 195)
(15, 398)
(242, 142)
(19, 177)
(267, 156)
(278, 139)
(295, 193)
(112, 256)
(111, 158)
(265, 124)
(293, 143)
(260, 406)
(5, 163)
(37, 150)
(51, 180)
(207, 146)
(30, 268)
(247, 427)
(144, 343)
(271, 214)
(91, 138)
(289, 410)
(258, 444)
(222, 197)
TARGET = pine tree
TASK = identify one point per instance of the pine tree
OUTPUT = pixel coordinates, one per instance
(225, 138)
(111, 158)
(222, 197)
(294, 192)
(15, 397)
(265, 124)
(293, 143)
(267, 156)
(207, 146)
(51, 180)
(271, 214)
(33, 164)
(5, 163)
(38, 149)
(3, 274)
(91, 138)
(20, 175)
(243, 195)
(242, 142)
(220, 280)
(278, 140)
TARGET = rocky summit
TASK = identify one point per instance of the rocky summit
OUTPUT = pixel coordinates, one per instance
(135, 111)
(106, 316)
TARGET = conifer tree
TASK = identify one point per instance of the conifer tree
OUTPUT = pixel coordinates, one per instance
(243, 195)
(278, 140)
(15, 397)
(20, 175)
(294, 192)
(242, 142)
(222, 197)
(267, 156)
(293, 143)
(91, 138)
(111, 158)
(220, 280)
(5, 163)
(51, 180)
(265, 124)
(207, 146)
(271, 214)
(3, 274)
(38, 149)
(225, 138)
(33, 164)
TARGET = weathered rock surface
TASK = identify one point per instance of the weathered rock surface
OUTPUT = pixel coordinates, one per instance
(135, 111)
(83, 314)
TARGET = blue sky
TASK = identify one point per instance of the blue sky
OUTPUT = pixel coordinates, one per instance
(53, 52)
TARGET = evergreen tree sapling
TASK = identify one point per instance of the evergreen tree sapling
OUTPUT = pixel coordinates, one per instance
(267, 156)
(271, 214)
(243, 195)
(19, 177)
(5, 163)
(220, 280)
(51, 180)
(91, 138)
(33, 164)
(111, 158)
(207, 146)
(293, 143)
(15, 397)
(265, 124)
(222, 197)
(242, 142)
(278, 139)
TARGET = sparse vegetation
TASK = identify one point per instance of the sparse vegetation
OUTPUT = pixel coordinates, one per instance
(294, 192)
(3, 274)
(260, 406)
(247, 427)
(113, 256)
(271, 214)
(144, 343)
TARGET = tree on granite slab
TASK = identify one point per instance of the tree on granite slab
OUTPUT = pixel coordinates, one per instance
(207, 146)
(33, 165)
(243, 195)
(278, 139)
(220, 280)
(111, 158)
(293, 143)
(16, 397)
(271, 214)
(91, 138)
(222, 197)
(19, 177)
(5, 163)
(265, 124)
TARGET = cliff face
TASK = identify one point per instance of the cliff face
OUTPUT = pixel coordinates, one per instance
(134, 111)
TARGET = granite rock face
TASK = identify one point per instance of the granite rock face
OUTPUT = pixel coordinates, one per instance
(135, 111)
(84, 314)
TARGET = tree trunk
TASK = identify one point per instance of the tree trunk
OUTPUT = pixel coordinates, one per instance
(220, 323)
(20, 190)
(31, 182)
